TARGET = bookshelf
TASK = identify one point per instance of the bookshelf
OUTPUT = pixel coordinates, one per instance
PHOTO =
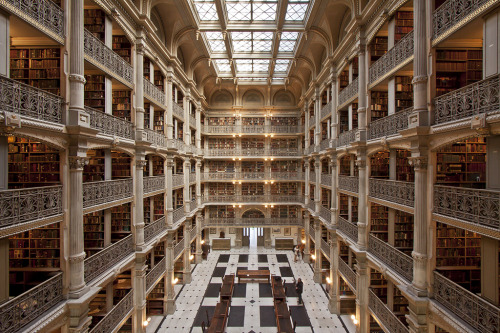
(345, 165)
(159, 121)
(155, 299)
(285, 166)
(121, 286)
(284, 143)
(252, 121)
(147, 210)
(221, 212)
(344, 252)
(456, 68)
(355, 68)
(343, 79)
(159, 206)
(343, 206)
(379, 107)
(158, 165)
(147, 68)
(354, 107)
(180, 130)
(94, 170)
(159, 251)
(400, 305)
(252, 189)
(354, 209)
(284, 121)
(253, 214)
(284, 189)
(379, 226)
(221, 121)
(404, 93)
(378, 284)
(378, 48)
(221, 166)
(221, 143)
(120, 222)
(122, 104)
(404, 171)
(95, 92)
(325, 198)
(94, 21)
(147, 115)
(97, 307)
(379, 165)
(374, 326)
(121, 164)
(93, 232)
(159, 80)
(462, 164)
(458, 256)
(285, 212)
(38, 67)
(178, 198)
(252, 166)
(126, 327)
(404, 24)
(31, 164)
(252, 143)
(178, 269)
(122, 46)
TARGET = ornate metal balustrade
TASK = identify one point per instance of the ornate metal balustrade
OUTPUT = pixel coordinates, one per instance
(154, 183)
(193, 233)
(192, 177)
(324, 145)
(252, 221)
(192, 121)
(312, 121)
(346, 138)
(42, 14)
(386, 317)
(98, 193)
(349, 183)
(220, 175)
(110, 125)
(348, 93)
(309, 149)
(252, 152)
(155, 274)
(253, 175)
(312, 232)
(178, 248)
(395, 259)
(25, 100)
(106, 259)
(325, 213)
(30, 305)
(390, 62)
(453, 14)
(475, 311)
(312, 176)
(482, 97)
(178, 214)
(252, 129)
(326, 110)
(210, 129)
(292, 175)
(222, 152)
(30, 204)
(101, 56)
(154, 229)
(153, 93)
(286, 129)
(399, 192)
(175, 144)
(155, 138)
(348, 274)
(390, 125)
(177, 180)
(311, 205)
(326, 179)
(292, 151)
(193, 205)
(348, 228)
(220, 198)
(178, 110)
(325, 248)
(480, 207)
(119, 312)
(254, 198)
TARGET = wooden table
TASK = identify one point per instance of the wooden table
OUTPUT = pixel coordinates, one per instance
(281, 309)
(226, 291)
(259, 274)
(284, 325)
(219, 319)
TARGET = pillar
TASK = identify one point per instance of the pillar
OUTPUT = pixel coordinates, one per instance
(317, 118)
(268, 243)
(362, 71)
(139, 85)
(140, 163)
(362, 287)
(317, 188)
(198, 127)
(139, 286)
(169, 100)
(186, 274)
(317, 251)
(362, 201)
(306, 125)
(307, 247)
(186, 188)
(199, 226)
(187, 112)
(168, 181)
(307, 180)
(198, 182)
(169, 305)
(334, 292)
(334, 204)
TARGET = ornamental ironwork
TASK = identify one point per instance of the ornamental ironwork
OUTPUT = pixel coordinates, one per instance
(222, 152)
(252, 129)
(221, 175)
(25, 100)
(390, 125)
(400, 262)
(348, 93)
(286, 129)
(479, 207)
(399, 192)
(177, 180)
(155, 138)
(325, 248)
(349, 183)
(107, 258)
(178, 214)
(312, 177)
(114, 317)
(210, 129)
(399, 54)
(98, 193)
(192, 177)
(193, 205)
(312, 232)
(482, 97)
(153, 93)
(348, 228)
(193, 233)
(154, 274)
(106, 59)
(154, 229)
(348, 274)
(253, 175)
(326, 179)
(153, 184)
(326, 110)
(30, 204)
(477, 312)
(325, 144)
(179, 248)
(109, 124)
(291, 175)
(311, 205)
(253, 221)
(30, 305)
(345, 138)
(388, 319)
(325, 213)
(291, 151)
(177, 110)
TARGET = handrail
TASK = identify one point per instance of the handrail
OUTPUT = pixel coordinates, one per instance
(390, 125)
(153, 93)
(110, 125)
(348, 228)
(395, 191)
(348, 273)
(153, 183)
(101, 192)
(113, 318)
(388, 319)
(154, 229)
(400, 262)
(154, 274)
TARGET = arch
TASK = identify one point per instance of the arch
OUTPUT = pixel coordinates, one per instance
(439, 143)
(283, 98)
(222, 98)
(253, 213)
(55, 142)
(253, 97)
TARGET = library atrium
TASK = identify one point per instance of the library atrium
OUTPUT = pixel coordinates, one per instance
(155, 152)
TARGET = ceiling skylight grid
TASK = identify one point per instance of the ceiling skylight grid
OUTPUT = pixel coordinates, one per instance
(296, 10)
(288, 41)
(251, 10)
(281, 65)
(245, 66)
(245, 41)
(215, 41)
(206, 10)
(223, 65)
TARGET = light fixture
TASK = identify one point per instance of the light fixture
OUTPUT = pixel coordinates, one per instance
(191, 257)
(265, 205)
(303, 241)
(272, 135)
(355, 321)
(234, 135)
(240, 206)
(239, 182)
(272, 206)
(328, 280)
(265, 159)
(145, 323)
(265, 182)
(234, 206)
(202, 242)
(239, 158)
(353, 317)
(240, 135)
(313, 256)
(272, 158)
(175, 280)
(234, 159)
(234, 182)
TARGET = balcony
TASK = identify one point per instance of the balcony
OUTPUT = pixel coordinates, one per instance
(44, 15)
(348, 228)
(178, 248)
(309, 149)
(312, 232)
(482, 97)
(227, 129)
(178, 214)
(325, 213)
(324, 145)
(155, 138)
(292, 151)
(253, 175)
(192, 177)
(286, 129)
(220, 175)
(387, 319)
(108, 258)
(473, 206)
(107, 191)
(155, 274)
(397, 57)
(193, 233)
(349, 183)
(348, 274)
(312, 177)
(312, 121)
(346, 138)
(104, 58)
(232, 198)
(193, 205)
(326, 179)
(287, 176)
(177, 110)
(27, 101)
(154, 229)
(253, 129)
(398, 261)
(110, 125)
(390, 125)
(252, 152)
(221, 152)
(348, 94)
(177, 180)
(116, 316)
(475, 311)
(154, 184)
(253, 221)
(153, 93)
(30, 204)
(31, 305)
(326, 110)
(399, 192)
(311, 205)
(325, 248)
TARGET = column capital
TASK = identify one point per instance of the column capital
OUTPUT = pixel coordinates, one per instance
(141, 164)
(420, 79)
(77, 162)
(361, 164)
(418, 162)
(333, 161)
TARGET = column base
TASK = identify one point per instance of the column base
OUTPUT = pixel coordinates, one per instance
(186, 278)
(169, 306)
(334, 305)
(268, 244)
(307, 258)
(138, 318)
(238, 244)
(317, 276)
(198, 258)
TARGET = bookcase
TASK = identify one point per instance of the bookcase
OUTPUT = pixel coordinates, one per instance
(379, 107)
(31, 164)
(159, 206)
(147, 68)
(147, 115)
(122, 104)
(126, 327)
(285, 212)
(159, 251)
(378, 47)
(344, 252)
(343, 206)
(379, 221)
(159, 80)
(158, 165)
(221, 212)
(458, 256)
(94, 170)
(178, 269)
(404, 93)
(155, 299)
(221, 189)
(121, 286)
(97, 307)
(120, 222)
(159, 121)
(456, 68)
(403, 232)
(252, 143)
(354, 209)
(38, 67)
(179, 167)
(221, 143)
(122, 46)
(284, 121)
(94, 21)
(252, 166)
(326, 197)
(378, 284)
(221, 166)
(284, 189)
(404, 24)
(284, 143)
(93, 232)
(221, 121)
(252, 121)
(95, 92)
(400, 305)
(343, 79)
(462, 164)
(121, 164)
(178, 198)
(374, 326)
(355, 68)
(404, 171)
(379, 165)
(345, 165)
(147, 210)
(252, 189)
(354, 107)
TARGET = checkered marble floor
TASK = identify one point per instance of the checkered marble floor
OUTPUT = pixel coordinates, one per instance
(252, 310)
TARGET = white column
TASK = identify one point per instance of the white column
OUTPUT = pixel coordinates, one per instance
(362, 71)
(334, 294)
(306, 125)
(199, 227)
(169, 101)
(186, 188)
(307, 247)
(169, 305)
(198, 182)
(139, 286)
(362, 201)
(317, 188)
(139, 86)
(307, 180)
(362, 287)
(334, 205)
(317, 251)
(198, 128)
(186, 274)
(140, 163)
(168, 181)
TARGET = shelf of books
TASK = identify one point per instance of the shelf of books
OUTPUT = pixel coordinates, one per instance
(252, 143)
(97, 308)
(221, 121)
(38, 67)
(284, 121)
(379, 165)
(32, 164)
(404, 171)
(343, 79)
(378, 47)
(252, 166)
(156, 299)
(94, 21)
(344, 252)
(252, 189)
(120, 222)
(121, 286)
(93, 232)
(343, 206)
(400, 305)
(221, 189)
(347, 298)
(94, 170)
(343, 120)
(221, 143)
(122, 46)
(354, 209)
(95, 92)
(147, 115)
(374, 326)
(34, 256)
(178, 269)
(354, 115)
(355, 68)
(325, 197)
(345, 165)
(121, 164)
(122, 104)
(456, 68)
(126, 327)
(378, 284)
(379, 225)
(284, 143)
(147, 68)
(284, 189)
(221, 166)
(221, 212)
(159, 121)
(403, 232)
(285, 212)
(252, 121)
(159, 206)
(159, 80)
(147, 210)
(404, 24)
(379, 106)
(462, 164)
(458, 256)
(158, 165)
(404, 93)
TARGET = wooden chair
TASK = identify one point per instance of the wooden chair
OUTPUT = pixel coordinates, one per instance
(203, 327)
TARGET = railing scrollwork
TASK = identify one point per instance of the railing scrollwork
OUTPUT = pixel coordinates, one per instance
(392, 190)
(97, 193)
(395, 259)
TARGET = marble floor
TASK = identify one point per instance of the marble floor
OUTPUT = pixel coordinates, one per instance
(252, 306)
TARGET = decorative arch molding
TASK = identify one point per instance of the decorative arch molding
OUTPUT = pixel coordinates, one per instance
(152, 153)
(443, 141)
(379, 147)
(253, 97)
(249, 211)
(222, 97)
(326, 39)
(283, 98)
(95, 146)
(52, 141)
(179, 35)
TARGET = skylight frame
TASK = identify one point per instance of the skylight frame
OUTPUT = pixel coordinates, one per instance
(206, 10)
(252, 41)
(251, 10)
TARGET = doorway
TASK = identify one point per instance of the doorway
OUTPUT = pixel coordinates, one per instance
(253, 237)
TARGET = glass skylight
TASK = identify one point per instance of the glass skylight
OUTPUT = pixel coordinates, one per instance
(281, 65)
(206, 10)
(244, 41)
(252, 65)
(223, 65)
(215, 41)
(296, 10)
(288, 41)
(251, 10)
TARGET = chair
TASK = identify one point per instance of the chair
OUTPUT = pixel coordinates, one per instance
(203, 327)
(294, 325)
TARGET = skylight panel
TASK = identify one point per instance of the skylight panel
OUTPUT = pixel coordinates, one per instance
(296, 10)
(215, 41)
(281, 65)
(206, 10)
(223, 65)
(288, 41)
(239, 11)
(251, 10)
(265, 11)
(252, 41)
(261, 65)
(252, 65)
(244, 65)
